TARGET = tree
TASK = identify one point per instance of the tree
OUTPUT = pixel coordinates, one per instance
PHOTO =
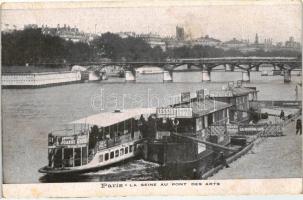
(31, 46)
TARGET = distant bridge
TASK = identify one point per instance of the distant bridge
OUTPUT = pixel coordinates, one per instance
(244, 63)
(205, 65)
(247, 63)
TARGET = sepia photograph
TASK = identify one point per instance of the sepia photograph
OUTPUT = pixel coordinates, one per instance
(136, 95)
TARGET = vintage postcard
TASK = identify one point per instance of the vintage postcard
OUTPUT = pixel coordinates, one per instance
(123, 98)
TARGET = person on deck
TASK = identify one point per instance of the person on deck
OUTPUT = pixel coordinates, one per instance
(299, 127)
(282, 115)
(195, 174)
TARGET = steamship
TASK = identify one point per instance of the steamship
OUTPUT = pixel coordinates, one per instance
(95, 142)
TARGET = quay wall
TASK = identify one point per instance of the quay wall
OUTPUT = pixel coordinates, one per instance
(32, 80)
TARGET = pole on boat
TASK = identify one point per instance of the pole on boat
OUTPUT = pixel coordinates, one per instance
(206, 143)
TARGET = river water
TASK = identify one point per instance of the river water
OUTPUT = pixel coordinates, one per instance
(29, 114)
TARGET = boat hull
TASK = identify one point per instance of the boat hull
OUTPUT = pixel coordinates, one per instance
(185, 169)
(59, 172)
(194, 169)
(96, 164)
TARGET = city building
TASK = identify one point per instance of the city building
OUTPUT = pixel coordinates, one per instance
(171, 42)
(268, 43)
(67, 33)
(206, 41)
(292, 44)
(127, 34)
(234, 44)
(153, 40)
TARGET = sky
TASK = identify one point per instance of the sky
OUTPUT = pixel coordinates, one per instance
(221, 21)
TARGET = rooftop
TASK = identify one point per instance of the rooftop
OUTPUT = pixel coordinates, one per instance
(109, 118)
(234, 41)
(207, 38)
(206, 106)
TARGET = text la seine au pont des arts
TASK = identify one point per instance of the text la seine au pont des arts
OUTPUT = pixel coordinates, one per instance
(161, 184)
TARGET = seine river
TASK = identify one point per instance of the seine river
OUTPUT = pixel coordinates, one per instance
(29, 114)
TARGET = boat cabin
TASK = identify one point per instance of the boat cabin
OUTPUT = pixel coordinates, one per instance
(239, 97)
(191, 117)
(77, 145)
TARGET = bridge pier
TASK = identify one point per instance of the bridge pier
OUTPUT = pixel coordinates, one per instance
(287, 76)
(227, 67)
(167, 76)
(129, 76)
(205, 76)
(257, 68)
(246, 76)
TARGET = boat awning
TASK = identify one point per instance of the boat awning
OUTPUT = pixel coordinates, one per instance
(109, 118)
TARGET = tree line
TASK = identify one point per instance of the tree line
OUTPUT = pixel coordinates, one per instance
(32, 46)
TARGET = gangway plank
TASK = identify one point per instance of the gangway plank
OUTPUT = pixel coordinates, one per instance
(206, 143)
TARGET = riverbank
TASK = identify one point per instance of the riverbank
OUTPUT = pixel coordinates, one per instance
(273, 157)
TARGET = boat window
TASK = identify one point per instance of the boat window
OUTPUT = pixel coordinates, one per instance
(101, 133)
(106, 131)
(106, 156)
(121, 152)
(101, 158)
(135, 125)
(77, 157)
(128, 126)
(130, 148)
(57, 158)
(113, 131)
(84, 155)
(185, 126)
(121, 128)
(209, 119)
(50, 154)
(68, 157)
(199, 124)
(117, 153)
(112, 155)
(126, 150)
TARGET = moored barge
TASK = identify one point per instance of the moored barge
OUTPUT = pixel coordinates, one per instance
(189, 137)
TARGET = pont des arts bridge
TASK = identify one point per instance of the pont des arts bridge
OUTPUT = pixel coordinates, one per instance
(203, 66)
